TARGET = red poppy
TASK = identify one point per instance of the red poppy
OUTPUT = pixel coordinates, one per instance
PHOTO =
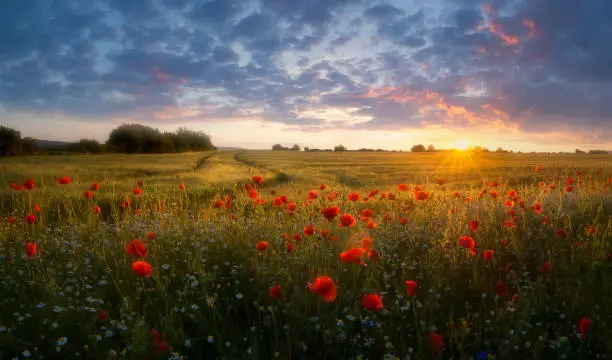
(16, 187)
(353, 196)
(296, 237)
(30, 249)
(325, 233)
(150, 235)
(10, 220)
(352, 256)
(181, 186)
(36, 208)
(277, 202)
(436, 343)
(96, 209)
(537, 168)
(366, 243)
(474, 225)
(29, 184)
(136, 248)
(347, 220)
(103, 315)
(373, 193)
(403, 187)
(228, 202)
(309, 230)
(372, 302)
(403, 221)
(160, 343)
(331, 212)
(584, 325)
(421, 195)
(94, 187)
(141, 268)
(411, 287)
(370, 224)
(88, 195)
(262, 246)
(323, 187)
(440, 181)
(253, 194)
(257, 179)
(276, 292)
(501, 289)
(324, 287)
(561, 233)
(546, 268)
(374, 256)
(291, 207)
(569, 189)
(488, 255)
(313, 194)
(218, 203)
(30, 219)
(64, 180)
(290, 247)
(332, 196)
(537, 207)
(285, 199)
(366, 214)
(137, 191)
(467, 242)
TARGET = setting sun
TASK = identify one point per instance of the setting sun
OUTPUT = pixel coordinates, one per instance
(461, 145)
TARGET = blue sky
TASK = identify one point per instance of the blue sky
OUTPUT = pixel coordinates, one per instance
(521, 74)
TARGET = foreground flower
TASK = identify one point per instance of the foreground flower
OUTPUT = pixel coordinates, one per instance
(136, 248)
(257, 179)
(137, 191)
(488, 255)
(411, 287)
(467, 242)
(141, 268)
(347, 220)
(262, 246)
(313, 194)
(309, 230)
(352, 256)
(30, 249)
(501, 289)
(30, 219)
(584, 325)
(29, 184)
(421, 195)
(474, 225)
(353, 196)
(402, 187)
(64, 180)
(276, 292)
(372, 302)
(94, 187)
(331, 212)
(88, 195)
(436, 343)
(324, 287)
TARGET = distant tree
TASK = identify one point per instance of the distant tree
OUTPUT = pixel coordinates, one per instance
(339, 148)
(29, 146)
(418, 148)
(296, 147)
(500, 150)
(279, 147)
(306, 148)
(87, 146)
(430, 147)
(578, 151)
(598, 152)
(10, 142)
(136, 138)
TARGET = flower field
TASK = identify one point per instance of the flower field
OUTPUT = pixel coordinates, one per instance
(264, 255)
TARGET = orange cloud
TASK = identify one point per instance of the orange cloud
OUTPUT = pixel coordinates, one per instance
(161, 76)
(533, 30)
(496, 29)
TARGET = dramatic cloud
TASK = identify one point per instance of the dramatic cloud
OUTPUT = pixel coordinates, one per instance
(526, 70)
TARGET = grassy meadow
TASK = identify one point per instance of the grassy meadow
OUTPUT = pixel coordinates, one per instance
(447, 255)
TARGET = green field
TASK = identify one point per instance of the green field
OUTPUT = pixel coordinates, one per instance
(542, 292)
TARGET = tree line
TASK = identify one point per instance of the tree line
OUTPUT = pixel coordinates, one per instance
(125, 139)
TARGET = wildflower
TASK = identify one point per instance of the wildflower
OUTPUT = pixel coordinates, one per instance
(291, 207)
(569, 189)
(94, 187)
(402, 187)
(296, 237)
(352, 256)
(64, 180)
(88, 195)
(253, 194)
(474, 225)
(372, 302)
(584, 325)
(467, 242)
(331, 212)
(218, 203)
(28, 185)
(309, 230)
(353, 196)
(488, 255)
(313, 194)
(411, 287)
(403, 221)
(370, 224)
(10, 220)
(257, 179)
(262, 246)
(366, 243)
(30, 249)
(374, 256)
(537, 168)
(141, 268)
(546, 268)
(103, 315)
(276, 292)
(561, 233)
(137, 191)
(421, 195)
(96, 210)
(501, 289)
(30, 219)
(290, 247)
(150, 235)
(181, 186)
(347, 220)
(323, 187)
(136, 248)
(366, 214)
(324, 287)
(436, 343)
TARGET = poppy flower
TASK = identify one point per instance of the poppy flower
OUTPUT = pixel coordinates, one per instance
(160, 343)
(309, 230)
(276, 292)
(421, 195)
(546, 268)
(323, 187)
(353, 196)
(296, 237)
(569, 189)
(374, 256)
(253, 194)
(290, 247)
(228, 202)
(366, 214)
(324, 287)
(257, 179)
(402, 187)
(436, 343)
(366, 243)
(488, 255)
(403, 221)
(370, 224)
(96, 210)
(94, 187)
(30, 219)
(262, 246)
(347, 220)
(10, 220)
(136, 248)
(218, 203)
(467, 242)
(141, 268)
(88, 195)
(103, 315)
(30, 249)
(16, 187)
(561, 233)
(537, 168)
(291, 207)
(331, 212)
(501, 289)
(64, 180)
(181, 186)
(277, 202)
(411, 287)
(372, 302)
(474, 225)
(137, 191)
(37, 208)
(313, 194)
(352, 256)
(584, 325)
(150, 235)
(373, 193)
(325, 233)
(29, 184)
(440, 181)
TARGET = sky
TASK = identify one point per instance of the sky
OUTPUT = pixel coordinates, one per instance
(530, 75)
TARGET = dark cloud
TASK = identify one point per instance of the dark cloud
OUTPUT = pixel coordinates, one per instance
(540, 63)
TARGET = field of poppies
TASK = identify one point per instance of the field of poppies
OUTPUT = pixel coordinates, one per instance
(265, 255)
